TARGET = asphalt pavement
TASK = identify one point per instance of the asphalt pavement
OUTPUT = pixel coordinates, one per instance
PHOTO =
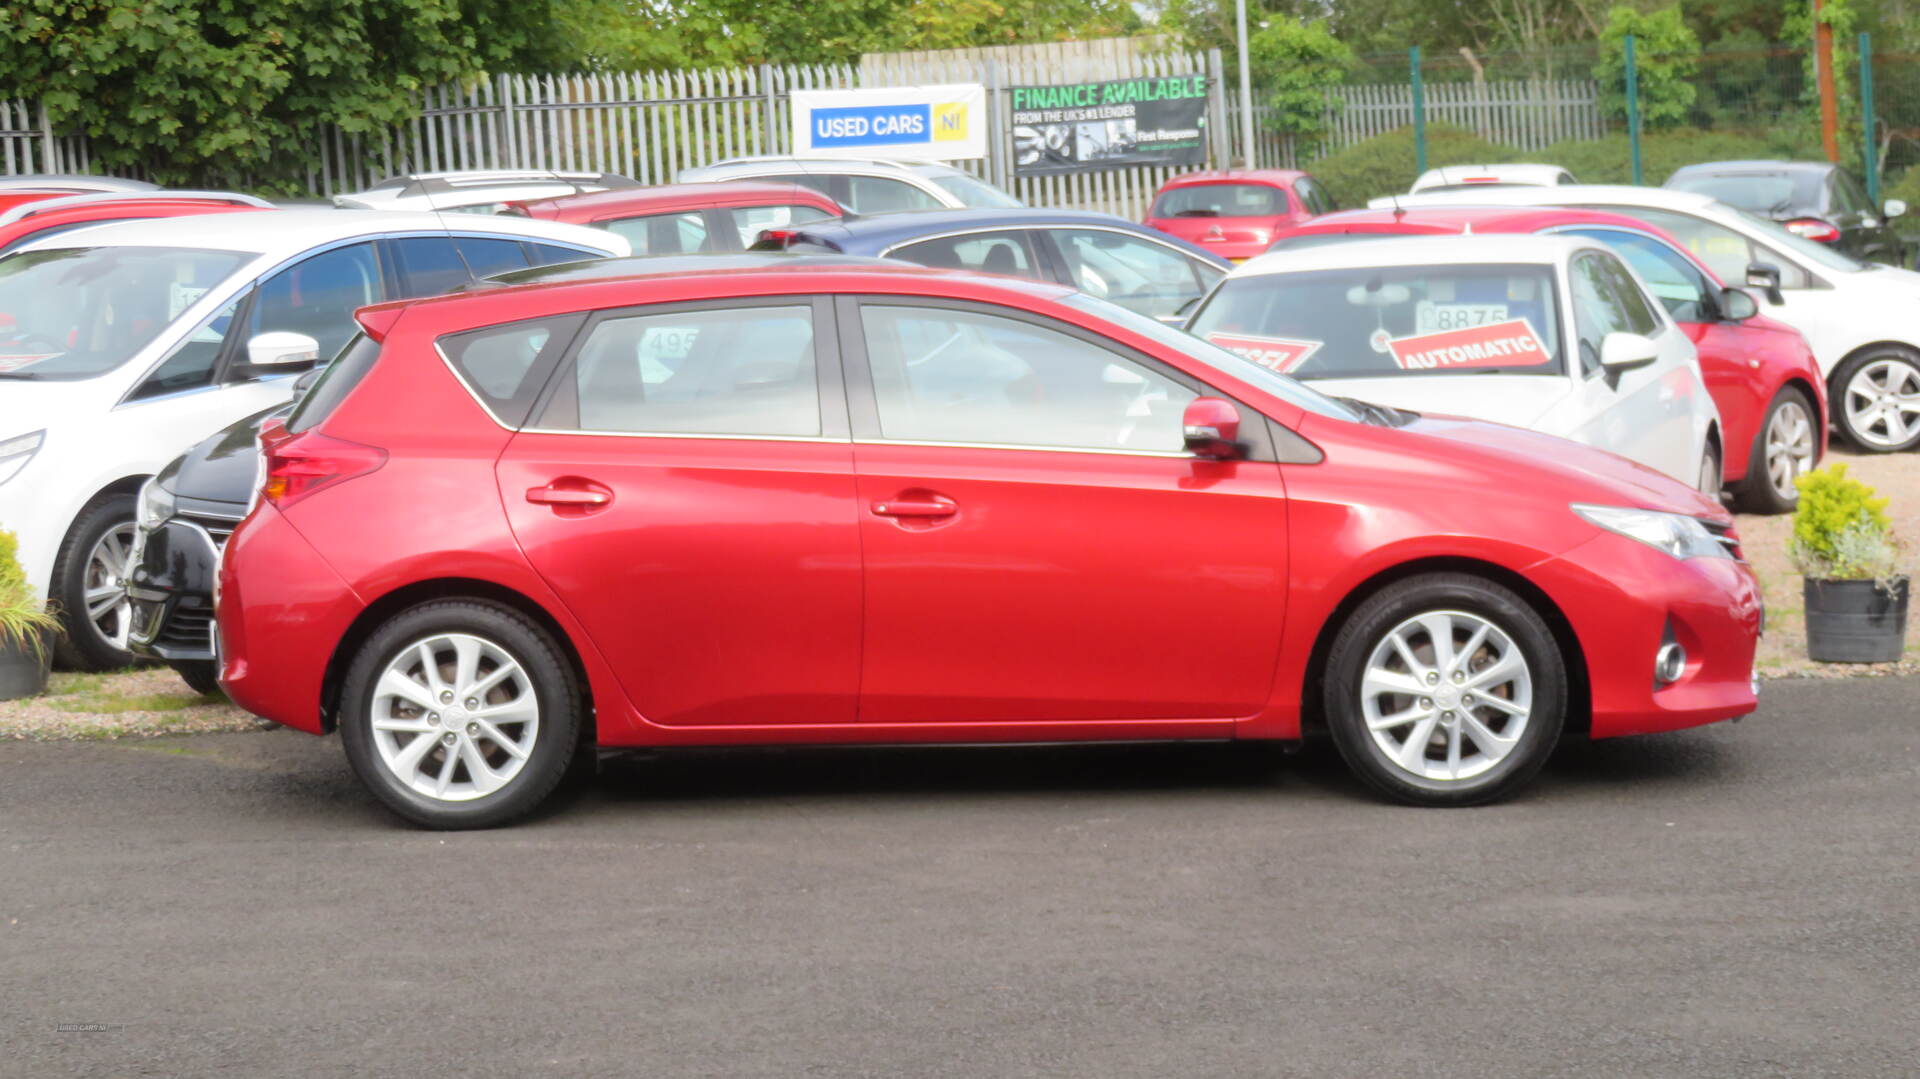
(1740, 901)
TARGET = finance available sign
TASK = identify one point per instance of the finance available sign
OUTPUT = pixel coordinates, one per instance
(926, 123)
(1084, 126)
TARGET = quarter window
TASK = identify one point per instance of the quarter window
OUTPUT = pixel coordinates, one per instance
(663, 234)
(961, 376)
(428, 266)
(498, 363)
(485, 258)
(1135, 273)
(879, 195)
(190, 365)
(743, 371)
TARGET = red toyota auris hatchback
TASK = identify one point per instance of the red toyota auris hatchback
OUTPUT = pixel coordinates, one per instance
(787, 499)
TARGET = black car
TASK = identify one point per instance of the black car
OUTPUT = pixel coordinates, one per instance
(1816, 199)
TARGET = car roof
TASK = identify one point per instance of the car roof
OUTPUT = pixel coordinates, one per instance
(1660, 198)
(426, 183)
(1271, 177)
(1508, 171)
(1459, 219)
(735, 192)
(63, 205)
(885, 230)
(68, 183)
(1754, 167)
(290, 231)
(1480, 249)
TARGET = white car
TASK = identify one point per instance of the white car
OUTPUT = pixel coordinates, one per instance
(477, 191)
(1469, 177)
(865, 187)
(123, 344)
(1551, 333)
(1861, 319)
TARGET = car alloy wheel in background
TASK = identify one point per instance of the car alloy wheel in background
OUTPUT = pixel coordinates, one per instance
(1878, 405)
(90, 587)
(460, 714)
(1445, 689)
(1788, 448)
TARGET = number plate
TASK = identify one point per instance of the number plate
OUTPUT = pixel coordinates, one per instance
(1432, 317)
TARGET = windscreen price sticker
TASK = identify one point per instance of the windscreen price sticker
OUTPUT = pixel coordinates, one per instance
(1512, 343)
(1272, 353)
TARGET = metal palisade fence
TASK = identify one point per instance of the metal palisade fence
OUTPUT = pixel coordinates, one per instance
(28, 144)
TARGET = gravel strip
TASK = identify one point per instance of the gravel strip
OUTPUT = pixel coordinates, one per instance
(109, 699)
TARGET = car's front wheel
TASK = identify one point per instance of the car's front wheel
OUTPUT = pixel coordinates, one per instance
(461, 714)
(1445, 690)
(1788, 448)
(1876, 400)
(90, 587)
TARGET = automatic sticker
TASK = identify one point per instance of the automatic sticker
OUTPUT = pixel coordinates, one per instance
(1512, 343)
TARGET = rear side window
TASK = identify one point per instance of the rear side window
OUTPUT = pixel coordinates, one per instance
(751, 221)
(662, 234)
(1007, 253)
(428, 265)
(745, 371)
(334, 383)
(488, 257)
(551, 254)
(500, 365)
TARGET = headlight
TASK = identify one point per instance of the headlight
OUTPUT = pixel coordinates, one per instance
(156, 505)
(1675, 533)
(16, 452)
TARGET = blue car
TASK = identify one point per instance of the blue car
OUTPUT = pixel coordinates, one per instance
(1099, 254)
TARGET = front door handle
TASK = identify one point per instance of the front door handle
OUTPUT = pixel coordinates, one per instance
(914, 508)
(574, 494)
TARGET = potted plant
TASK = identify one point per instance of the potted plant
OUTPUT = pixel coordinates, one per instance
(24, 628)
(1844, 547)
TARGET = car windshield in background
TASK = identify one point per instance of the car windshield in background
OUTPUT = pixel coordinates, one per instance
(1221, 200)
(1812, 250)
(1390, 320)
(1768, 194)
(974, 194)
(76, 312)
(1279, 385)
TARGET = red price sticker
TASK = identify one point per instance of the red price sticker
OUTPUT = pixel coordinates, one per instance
(1273, 353)
(1512, 343)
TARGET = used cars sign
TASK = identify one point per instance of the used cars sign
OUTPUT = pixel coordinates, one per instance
(940, 123)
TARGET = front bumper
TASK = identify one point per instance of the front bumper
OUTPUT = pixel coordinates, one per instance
(171, 589)
(1623, 599)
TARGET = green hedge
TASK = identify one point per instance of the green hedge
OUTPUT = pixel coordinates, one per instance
(1383, 165)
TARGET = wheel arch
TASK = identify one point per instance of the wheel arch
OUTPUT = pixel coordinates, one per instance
(1854, 353)
(380, 610)
(1313, 720)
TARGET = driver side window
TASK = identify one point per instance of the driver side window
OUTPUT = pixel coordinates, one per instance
(318, 296)
(1679, 285)
(1137, 274)
(1726, 252)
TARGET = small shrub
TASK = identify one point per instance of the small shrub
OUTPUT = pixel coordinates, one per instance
(23, 619)
(1841, 531)
(1609, 159)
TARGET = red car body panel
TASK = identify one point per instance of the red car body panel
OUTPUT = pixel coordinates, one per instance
(131, 208)
(1744, 364)
(1235, 238)
(621, 203)
(752, 596)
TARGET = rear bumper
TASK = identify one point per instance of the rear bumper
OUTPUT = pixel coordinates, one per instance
(1623, 599)
(282, 610)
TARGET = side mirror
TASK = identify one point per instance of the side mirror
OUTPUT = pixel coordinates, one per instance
(1765, 276)
(1626, 351)
(279, 348)
(1212, 429)
(1736, 305)
(1894, 207)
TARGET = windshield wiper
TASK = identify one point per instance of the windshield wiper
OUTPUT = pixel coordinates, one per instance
(1378, 415)
(23, 376)
(1197, 213)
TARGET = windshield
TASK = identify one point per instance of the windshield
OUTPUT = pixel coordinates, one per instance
(76, 312)
(1383, 322)
(974, 194)
(1221, 200)
(1770, 193)
(1279, 385)
(1811, 250)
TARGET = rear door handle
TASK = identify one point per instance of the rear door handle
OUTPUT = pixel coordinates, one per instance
(552, 495)
(914, 508)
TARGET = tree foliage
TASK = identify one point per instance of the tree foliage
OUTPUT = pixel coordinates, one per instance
(1666, 59)
(1298, 62)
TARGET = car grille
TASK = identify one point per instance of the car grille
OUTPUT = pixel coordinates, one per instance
(217, 527)
(188, 628)
(1724, 533)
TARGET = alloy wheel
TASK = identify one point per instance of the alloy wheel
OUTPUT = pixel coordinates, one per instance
(1883, 402)
(454, 717)
(1789, 449)
(1446, 695)
(109, 612)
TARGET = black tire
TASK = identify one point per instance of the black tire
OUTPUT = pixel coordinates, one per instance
(1864, 437)
(82, 646)
(201, 675)
(1756, 493)
(1368, 628)
(556, 742)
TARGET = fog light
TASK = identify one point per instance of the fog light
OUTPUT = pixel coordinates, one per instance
(1669, 663)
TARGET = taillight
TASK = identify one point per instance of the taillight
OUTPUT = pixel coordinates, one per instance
(776, 239)
(1813, 229)
(296, 466)
(1482, 179)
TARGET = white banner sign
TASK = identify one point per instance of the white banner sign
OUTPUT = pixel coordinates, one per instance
(929, 123)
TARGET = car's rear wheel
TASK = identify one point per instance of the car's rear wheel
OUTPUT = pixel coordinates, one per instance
(1445, 690)
(90, 587)
(1876, 400)
(1787, 448)
(461, 714)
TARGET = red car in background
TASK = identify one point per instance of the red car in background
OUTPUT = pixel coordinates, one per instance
(683, 219)
(36, 219)
(803, 501)
(1761, 374)
(1235, 213)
